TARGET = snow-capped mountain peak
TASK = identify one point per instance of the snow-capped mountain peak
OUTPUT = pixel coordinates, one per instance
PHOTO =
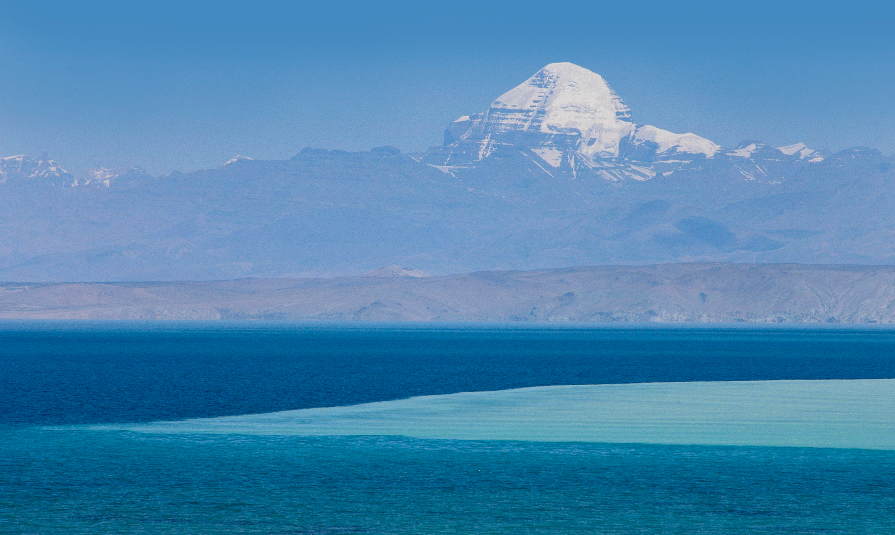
(790, 150)
(746, 150)
(800, 151)
(237, 158)
(24, 168)
(565, 90)
(566, 100)
(567, 117)
(666, 141)
(101, 176)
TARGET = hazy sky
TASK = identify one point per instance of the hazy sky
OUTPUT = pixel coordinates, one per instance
(186, 85)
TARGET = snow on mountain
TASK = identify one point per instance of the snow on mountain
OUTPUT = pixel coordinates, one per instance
(566, 101)
(745, 150)
(802, 152)
(237, 158)
(25, 168)
(682, 143)
(568, 117)
(552, 155)
(756, 149)
(103, 177)
(99, 177)
(789, 150)
(563, 121)
(754, 160)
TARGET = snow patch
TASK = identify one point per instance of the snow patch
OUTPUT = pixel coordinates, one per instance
(101, 176)
(689, 142)
(744, 152)
(802, 152)
(551, 155)
(238, 158)
(789, 150)
(645, 173)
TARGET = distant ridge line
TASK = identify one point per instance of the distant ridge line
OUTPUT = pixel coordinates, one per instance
(659, 293)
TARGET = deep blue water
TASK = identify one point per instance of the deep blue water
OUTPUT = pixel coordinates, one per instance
(68, 480)
(54, 373)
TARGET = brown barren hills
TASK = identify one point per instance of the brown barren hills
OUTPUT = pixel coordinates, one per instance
(725, 293)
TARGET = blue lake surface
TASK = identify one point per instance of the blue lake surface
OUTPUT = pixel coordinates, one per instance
(58, 474)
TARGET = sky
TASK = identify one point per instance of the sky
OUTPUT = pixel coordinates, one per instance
(188, 85)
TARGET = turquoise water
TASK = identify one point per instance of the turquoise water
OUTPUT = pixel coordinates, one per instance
(856, 413)
(120, 482)
(148, 429)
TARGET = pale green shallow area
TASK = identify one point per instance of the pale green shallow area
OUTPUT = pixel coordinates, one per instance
(828, 413)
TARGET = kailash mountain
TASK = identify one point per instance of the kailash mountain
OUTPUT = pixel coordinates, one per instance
(557, 172)
(567, 118)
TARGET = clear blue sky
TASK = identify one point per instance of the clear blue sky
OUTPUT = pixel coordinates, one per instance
(186, 85)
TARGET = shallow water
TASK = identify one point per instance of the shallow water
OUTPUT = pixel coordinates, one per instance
(856, 413)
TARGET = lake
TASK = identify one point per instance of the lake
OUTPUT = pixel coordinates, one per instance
(308, 428)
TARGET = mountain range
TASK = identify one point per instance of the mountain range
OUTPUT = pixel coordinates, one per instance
(555, 173)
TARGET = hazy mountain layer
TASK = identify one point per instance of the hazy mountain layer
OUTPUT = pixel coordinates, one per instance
(556, 173)
(665, 293)
(331, 213)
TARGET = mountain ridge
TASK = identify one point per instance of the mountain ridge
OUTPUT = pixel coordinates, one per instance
(331, 212)
(569, 119)
(565, 117)
(674, 293)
